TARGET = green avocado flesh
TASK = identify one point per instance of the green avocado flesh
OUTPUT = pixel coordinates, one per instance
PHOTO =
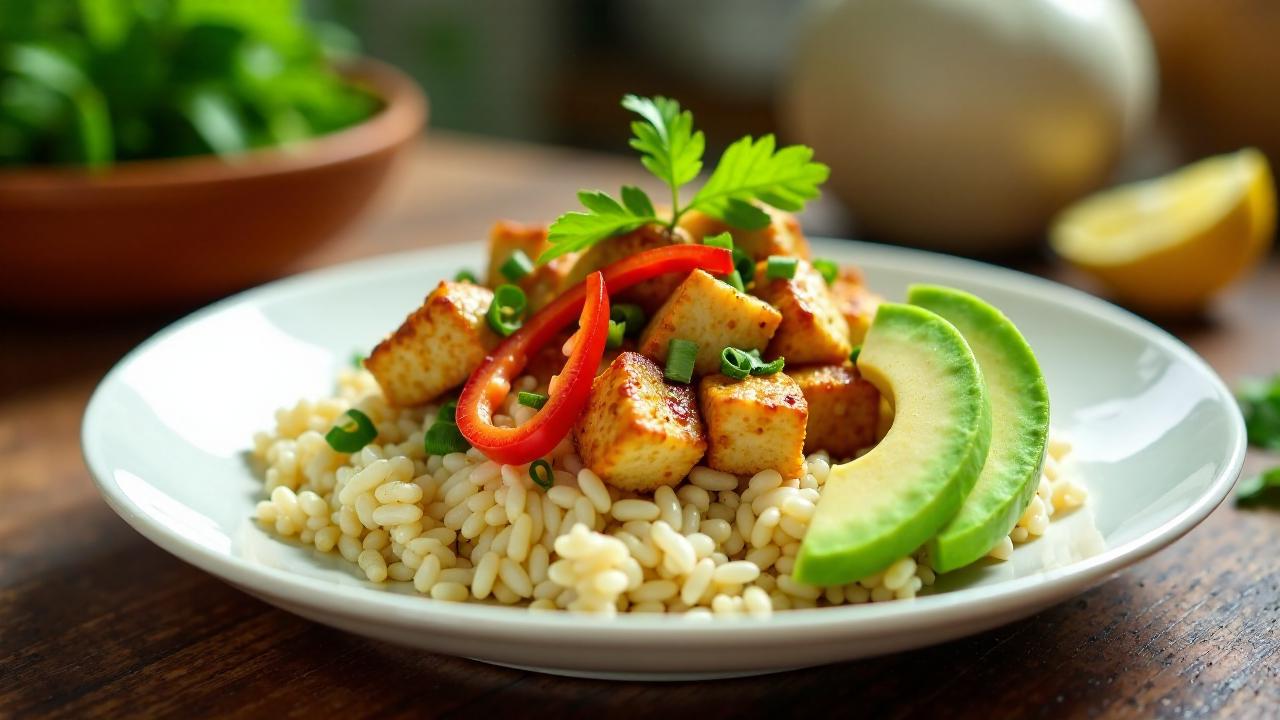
(1019, 426)
(889, 502)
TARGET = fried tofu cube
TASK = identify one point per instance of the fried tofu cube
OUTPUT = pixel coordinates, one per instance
(505, 238)
(649, 294)
(547, 279)
(856, 303)
(754, 424)
(639, 432)
(781, 237)
(843, 409)
(714, 315)
(437, 347)
(812, 330)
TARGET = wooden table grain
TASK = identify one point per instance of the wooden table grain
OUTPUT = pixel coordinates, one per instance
(96, 621)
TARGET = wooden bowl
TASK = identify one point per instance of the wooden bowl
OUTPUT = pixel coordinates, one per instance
(166, 232)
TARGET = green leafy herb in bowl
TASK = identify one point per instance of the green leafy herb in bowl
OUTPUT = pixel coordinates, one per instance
(98, 82)
(164, 152)
(1260, 402)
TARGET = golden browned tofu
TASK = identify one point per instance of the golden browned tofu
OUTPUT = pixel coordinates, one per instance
(856, 303)
(639, 432)
(436, 347)
(754, 424)
(546, 281)
(649, 294)
(781, 237)
(714, 315)
(812, 330)
(843, 409)
(505, 238)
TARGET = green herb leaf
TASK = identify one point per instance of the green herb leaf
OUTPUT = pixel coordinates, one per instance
(1260, 402)
(751, 170)
(671, 149)
(605, 217)
(1261, 490)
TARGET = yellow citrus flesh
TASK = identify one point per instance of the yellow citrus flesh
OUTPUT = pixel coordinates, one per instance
(1168, 244)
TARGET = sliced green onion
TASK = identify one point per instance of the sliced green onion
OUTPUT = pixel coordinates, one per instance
(769, 368)
(466, 276)
(736, 363)
(632, 315)
(357, 360)
(734, 280)
(681, 355)
(541, 474)
(616, 331)
(828, 268)
(448, 412)
(723, 240)
(853, 356)
(517, 266)
(506, 313)
(443, 438)
(533, 400)
(743, 263)
(780, 267)
(352, 431)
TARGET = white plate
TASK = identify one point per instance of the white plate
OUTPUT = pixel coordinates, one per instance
(1158, 440)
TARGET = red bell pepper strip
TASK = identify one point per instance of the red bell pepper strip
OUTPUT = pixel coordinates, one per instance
(489, 385)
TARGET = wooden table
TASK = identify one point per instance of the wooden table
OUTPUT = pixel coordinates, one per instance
(95, 621)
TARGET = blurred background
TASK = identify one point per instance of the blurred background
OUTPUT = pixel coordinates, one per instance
(964, 127)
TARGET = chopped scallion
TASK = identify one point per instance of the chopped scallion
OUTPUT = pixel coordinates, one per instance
(632, 315)
(466, 276)
(853, 356)
(443, 438)
(734, 280)
(357, 360)
(681, 355)
(448, 412)
(735, 363)
(723, 240)
(517, 266)
(780, 267)
(743, 263)
(828, 268)
(506, 313)
(531, 399)
(616, 331)
(352, 431)
(541, 474)
(769, 368)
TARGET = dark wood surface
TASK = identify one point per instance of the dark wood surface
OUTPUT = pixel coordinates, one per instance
(95, 621)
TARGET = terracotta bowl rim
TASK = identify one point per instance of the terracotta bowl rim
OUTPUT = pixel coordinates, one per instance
(400, 119)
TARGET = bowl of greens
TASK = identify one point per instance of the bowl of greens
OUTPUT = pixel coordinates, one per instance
(167, 151)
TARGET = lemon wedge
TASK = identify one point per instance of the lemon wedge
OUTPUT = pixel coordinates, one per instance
(1166, 245)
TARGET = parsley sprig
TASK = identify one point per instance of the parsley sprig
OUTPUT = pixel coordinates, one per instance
(750, 170)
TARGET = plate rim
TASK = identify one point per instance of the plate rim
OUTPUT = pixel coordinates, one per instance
(517, 623)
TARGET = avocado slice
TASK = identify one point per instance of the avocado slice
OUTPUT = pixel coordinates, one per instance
(889, 502)
(1019, 426)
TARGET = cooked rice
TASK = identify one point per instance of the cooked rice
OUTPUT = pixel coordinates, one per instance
(460, 527)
